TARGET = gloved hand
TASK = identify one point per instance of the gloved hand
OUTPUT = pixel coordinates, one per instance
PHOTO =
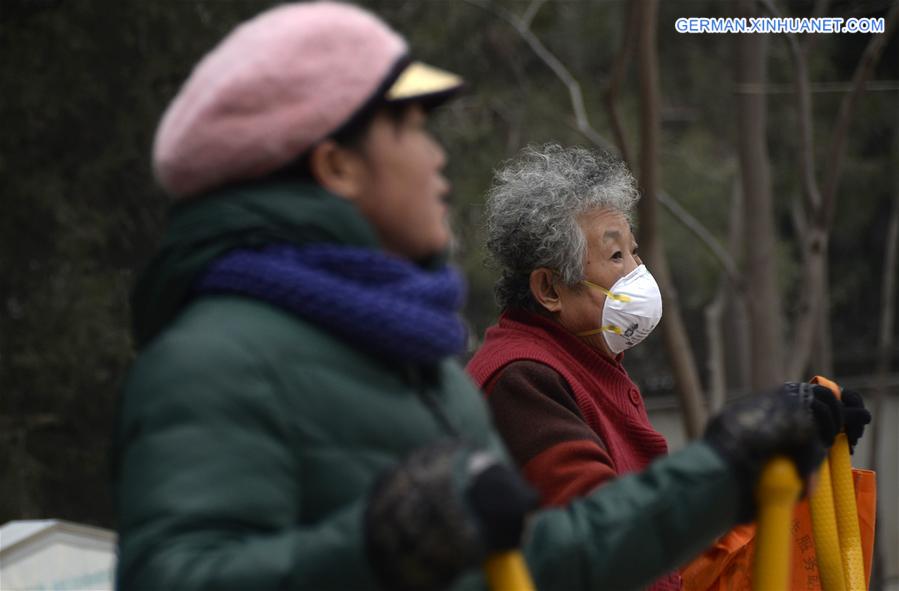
(751, 431)
(440, 512)
(826, 409)
(855, 416)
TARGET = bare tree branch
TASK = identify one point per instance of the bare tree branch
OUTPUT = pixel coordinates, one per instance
(512, 138)
(811, 295)
(705, 237)
(848, 106)
(619, 68)
(820, 9)
(558, 68)
(804, 109)
(531, 12)
(811, 307)
(586, 129)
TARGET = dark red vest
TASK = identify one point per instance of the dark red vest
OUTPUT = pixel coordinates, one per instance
(607, 398)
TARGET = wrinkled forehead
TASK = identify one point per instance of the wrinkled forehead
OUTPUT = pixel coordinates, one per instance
(601, 226)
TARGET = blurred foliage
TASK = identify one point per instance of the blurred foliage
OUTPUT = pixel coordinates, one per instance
(84, 83)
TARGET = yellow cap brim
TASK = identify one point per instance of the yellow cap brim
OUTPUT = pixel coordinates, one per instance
(423, 82)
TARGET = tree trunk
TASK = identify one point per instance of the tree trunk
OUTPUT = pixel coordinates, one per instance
(740, 342)
(723, 318)
(822, 348)
(886, 332)
(885, 344)
(811, 300)
(680, 353)
(715, 360)
(737, 313)
(765, 315)
(616, 78)
(813, 321)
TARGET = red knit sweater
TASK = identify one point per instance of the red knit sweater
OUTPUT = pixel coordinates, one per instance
(571, 417)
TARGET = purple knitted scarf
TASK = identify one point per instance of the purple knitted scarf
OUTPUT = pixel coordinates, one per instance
(382, 304)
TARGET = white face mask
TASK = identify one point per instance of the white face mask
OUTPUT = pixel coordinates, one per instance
(633, 308)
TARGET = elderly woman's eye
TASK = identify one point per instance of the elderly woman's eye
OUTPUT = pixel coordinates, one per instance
(617, 255)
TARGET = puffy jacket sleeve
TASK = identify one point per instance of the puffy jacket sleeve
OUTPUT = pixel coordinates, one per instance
(637, 527)
(208, 492)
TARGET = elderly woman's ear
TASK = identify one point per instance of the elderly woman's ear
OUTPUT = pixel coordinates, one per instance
(543, 289)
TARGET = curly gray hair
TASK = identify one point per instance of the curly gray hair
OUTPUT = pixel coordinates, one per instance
(533, 209)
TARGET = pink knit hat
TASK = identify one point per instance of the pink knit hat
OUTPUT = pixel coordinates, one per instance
(275, 86)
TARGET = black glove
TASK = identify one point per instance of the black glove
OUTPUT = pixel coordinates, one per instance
(855, 416)
(826, 409)
(440, 512)
(751, 431)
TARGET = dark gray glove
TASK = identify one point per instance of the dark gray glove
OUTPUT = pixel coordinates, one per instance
(832, 415)
(441, 512)
(751, 431)
(855, 416)
(824, 406)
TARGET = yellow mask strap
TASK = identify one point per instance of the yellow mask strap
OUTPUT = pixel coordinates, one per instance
(606, 328)
(615, 296)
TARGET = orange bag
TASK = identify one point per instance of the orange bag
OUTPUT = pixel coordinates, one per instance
(727, 564)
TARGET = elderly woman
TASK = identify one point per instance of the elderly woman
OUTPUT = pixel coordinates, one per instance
(574, 295)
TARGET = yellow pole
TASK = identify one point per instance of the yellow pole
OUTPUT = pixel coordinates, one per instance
(827, 540)
(507, 571)
(849, 541)
(847, 515)
(776, 495)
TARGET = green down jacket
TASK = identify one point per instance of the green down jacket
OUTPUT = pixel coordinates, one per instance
(248, 438)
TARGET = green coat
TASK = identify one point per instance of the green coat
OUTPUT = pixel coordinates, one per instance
(249, 438)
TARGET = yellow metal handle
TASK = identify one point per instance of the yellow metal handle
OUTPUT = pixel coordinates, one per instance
(844, 522)
(827, 539)
(507, 571)
(776, 494)
(847, 515)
